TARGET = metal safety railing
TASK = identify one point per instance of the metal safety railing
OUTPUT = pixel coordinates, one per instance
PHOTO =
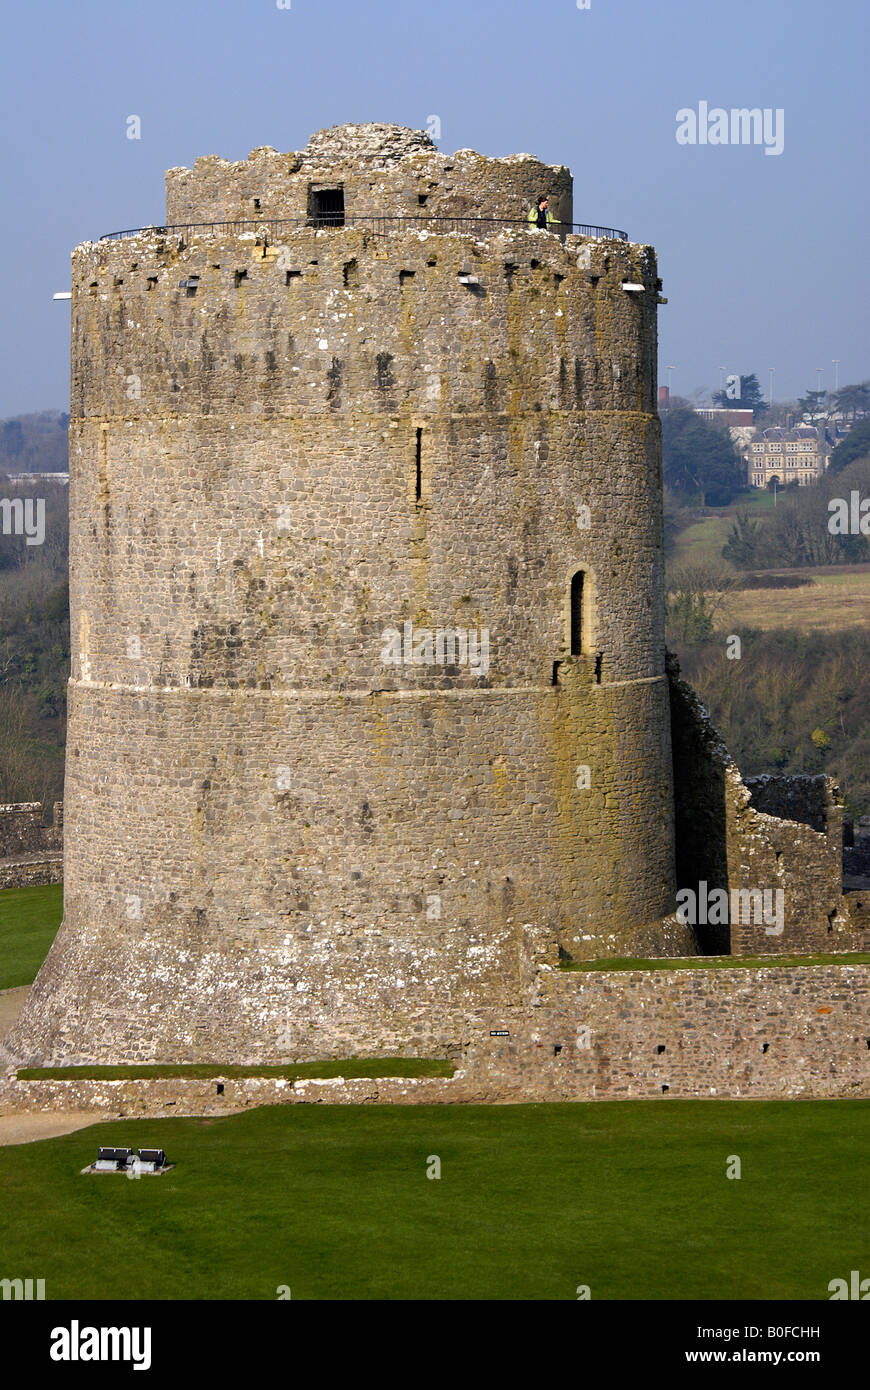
(272, 228)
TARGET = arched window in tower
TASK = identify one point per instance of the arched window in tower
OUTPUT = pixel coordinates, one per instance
(578, 615)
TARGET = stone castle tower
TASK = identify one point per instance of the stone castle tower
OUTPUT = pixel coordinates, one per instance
(368, 708)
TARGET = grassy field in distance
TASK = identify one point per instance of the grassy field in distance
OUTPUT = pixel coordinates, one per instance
(702, 541)
(838, 597)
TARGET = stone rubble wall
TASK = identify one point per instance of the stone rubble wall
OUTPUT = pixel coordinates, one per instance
(31, 872)
(114, 1099)
(26, 829)
(773, 1032)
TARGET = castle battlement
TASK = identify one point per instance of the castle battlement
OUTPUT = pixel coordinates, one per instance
(365, 170)
(336, 321)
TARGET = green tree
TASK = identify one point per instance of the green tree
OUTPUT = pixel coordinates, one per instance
(699, 459)
(813, 403)
(750, 397)
(696, 594)
(741, 547)
(856, 445)
(797, 532)
(853, 400)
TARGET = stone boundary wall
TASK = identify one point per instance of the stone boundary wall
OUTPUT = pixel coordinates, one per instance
(33, 872)
(771, 1032)
(775, 1032)
(180, 1097)
(26, 829)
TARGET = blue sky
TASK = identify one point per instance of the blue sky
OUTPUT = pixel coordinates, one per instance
(764, 258)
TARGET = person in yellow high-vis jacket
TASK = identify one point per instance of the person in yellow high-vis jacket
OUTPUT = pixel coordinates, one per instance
(540, 216)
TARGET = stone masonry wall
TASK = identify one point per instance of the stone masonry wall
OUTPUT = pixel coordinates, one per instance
(771, 1032)
(23, 828)
(778, 1031)
(358, 905)
(31, 872)
(180, 1097)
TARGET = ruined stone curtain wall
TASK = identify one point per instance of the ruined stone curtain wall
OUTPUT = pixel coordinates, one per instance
(780, 836)
(23, 828)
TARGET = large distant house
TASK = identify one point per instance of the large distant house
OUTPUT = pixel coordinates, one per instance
(785, 455)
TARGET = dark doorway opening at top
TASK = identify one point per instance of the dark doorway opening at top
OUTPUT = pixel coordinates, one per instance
(326, 207)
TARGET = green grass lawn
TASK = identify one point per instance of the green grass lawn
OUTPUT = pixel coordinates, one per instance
(291, 1071)
(29, 919)
(630, 1198)
(715, 962)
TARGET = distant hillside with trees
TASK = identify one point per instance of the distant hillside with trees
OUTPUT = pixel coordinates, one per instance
(794, 702)
(34, 651)
(34, 443)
